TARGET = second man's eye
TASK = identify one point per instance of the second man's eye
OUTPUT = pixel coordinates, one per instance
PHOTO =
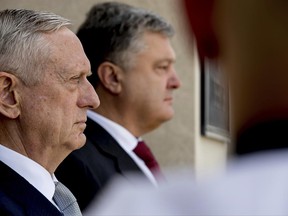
(163, 67)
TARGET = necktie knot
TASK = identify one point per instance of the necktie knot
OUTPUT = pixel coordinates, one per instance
(65, 200)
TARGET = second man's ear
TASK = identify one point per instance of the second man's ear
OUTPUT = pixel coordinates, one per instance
(110, 77)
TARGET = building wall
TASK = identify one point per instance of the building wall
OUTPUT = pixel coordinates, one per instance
(177, 143)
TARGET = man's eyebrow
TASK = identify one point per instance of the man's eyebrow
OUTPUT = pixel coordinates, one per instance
(169, 60)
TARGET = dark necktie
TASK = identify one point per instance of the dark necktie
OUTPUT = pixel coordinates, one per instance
(65, 200)
(144, 152)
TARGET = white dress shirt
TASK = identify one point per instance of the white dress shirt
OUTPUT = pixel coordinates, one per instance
(125, 139)
(33, 172)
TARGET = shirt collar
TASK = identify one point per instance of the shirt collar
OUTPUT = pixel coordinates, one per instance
(33, 172)
(125, 139)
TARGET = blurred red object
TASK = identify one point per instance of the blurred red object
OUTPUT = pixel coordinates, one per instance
(200, 18)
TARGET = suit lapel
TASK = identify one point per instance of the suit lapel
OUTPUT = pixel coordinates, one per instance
(103, 141)
(22, 195)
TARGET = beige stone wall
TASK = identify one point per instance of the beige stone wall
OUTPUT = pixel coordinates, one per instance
(178, 142)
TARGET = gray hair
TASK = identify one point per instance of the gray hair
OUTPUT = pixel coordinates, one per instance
(112, 30)
(23, 48)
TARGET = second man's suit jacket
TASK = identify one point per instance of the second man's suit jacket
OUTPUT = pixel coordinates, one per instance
(86, 171)
(19, 197)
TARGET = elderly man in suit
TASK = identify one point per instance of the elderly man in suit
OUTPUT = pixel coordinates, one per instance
(44, 96)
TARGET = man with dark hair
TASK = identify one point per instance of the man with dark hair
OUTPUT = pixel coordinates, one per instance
(133, 73)
(250, 41)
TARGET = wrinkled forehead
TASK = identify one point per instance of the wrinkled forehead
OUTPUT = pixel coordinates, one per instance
(66, 51)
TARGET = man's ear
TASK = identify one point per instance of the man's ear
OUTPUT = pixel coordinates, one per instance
(9, 104)
(109, 75)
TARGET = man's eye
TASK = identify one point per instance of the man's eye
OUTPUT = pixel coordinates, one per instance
(76, 79)
(163, 67)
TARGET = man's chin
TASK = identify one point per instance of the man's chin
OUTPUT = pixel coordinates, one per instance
(81, 140)
(165, 119)
(169, 114)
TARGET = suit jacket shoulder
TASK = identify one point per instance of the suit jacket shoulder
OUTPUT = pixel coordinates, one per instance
(19, 197)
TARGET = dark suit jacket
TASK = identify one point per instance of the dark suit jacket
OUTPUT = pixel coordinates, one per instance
(18, 197)
(86, 171)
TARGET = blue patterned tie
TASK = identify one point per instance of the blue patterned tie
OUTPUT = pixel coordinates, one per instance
(66, 201)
